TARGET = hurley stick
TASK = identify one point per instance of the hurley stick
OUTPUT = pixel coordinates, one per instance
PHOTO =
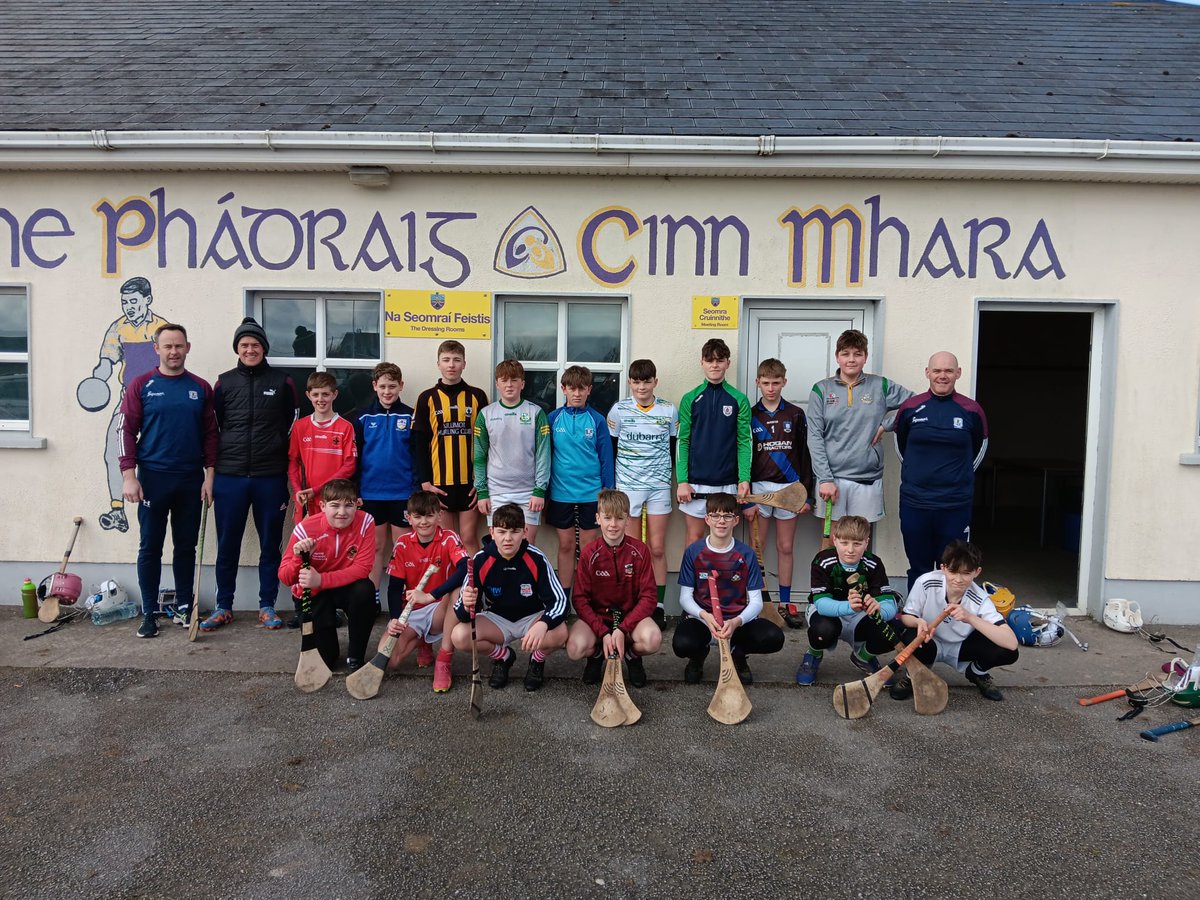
(312, 673)
(49, 608)
(729, 704)
(1153, 734)
(614, 706)
(364, 684)
(792, 498)
(476, 682)
(826, 540)
(194, 612)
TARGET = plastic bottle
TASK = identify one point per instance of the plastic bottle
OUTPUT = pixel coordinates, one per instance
(29, 599)
(102, 614)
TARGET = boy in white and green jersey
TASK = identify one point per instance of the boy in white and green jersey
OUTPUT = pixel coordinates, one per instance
(512, 450)
(644, 428)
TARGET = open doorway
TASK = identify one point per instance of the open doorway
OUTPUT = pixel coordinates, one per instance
(1033, 383)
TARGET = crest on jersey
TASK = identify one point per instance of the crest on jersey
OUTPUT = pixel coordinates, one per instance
(589, 432)
(958, 423)
(193, 395)
(727, 410)
(525, 418)
(866, 398)
(401, 425)
(352, 552)
(787, 427)
(529, 248)
(628, 568)
(527, 590)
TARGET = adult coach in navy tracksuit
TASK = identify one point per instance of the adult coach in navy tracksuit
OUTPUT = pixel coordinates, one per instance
(941, 437)
(255, 406)
(168, 449)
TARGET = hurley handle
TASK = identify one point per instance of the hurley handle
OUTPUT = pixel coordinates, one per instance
(1154, 734)
(828, 518)
(409, 606)
(714, 600)
(1113, 695)
(903, 655)
(616, 617)
(306, 594)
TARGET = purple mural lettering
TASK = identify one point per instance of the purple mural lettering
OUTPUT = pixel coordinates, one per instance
(311, 218)
(410, 220)
(673, 227)
(165, 218)
(30, 231)
(261, 217)
(717, 226)
(650, 223)
(588, 233)
(226, 229)
(975, 227)
(441, 219)
(14, 237)
(877, 228)
(939, 237)
(1040, 238)
(114, 239)
(377, 228)
(826, 223)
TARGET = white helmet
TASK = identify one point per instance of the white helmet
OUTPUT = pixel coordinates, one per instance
(108, 595)
(1123, 615)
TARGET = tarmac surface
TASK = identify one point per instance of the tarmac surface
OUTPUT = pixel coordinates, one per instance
(133, 768)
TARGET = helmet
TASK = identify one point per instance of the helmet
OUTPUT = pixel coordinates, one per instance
(1002, 598)
(1123, 615)
(63, 585)
(108, 596)
(1033, 629)
(1189, 696)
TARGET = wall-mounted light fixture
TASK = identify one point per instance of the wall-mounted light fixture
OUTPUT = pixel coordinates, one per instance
(370, 176)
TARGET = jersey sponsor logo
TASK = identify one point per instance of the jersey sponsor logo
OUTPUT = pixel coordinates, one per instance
(193, 395)
(455, 429)
(768, 446)
(831, 400)
(270, 393)
(527, 590)
(922, 419)
(155, 394)
(958, 423)
(727, 410)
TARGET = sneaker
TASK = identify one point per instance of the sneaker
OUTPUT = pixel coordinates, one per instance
(268, 619)
(353, 664)
(149, 627)
(182, 616)
(693, 672)
(499, 676)
(535, 675)
(660, 618)
(218, 618)
(424, 655)
(809, 667)
(637, 671)
(791, 615)
(870, 665)
(901, 688)
(441, 673)
(741, 665)
(593, 668)
(986, 686)
(114, 519)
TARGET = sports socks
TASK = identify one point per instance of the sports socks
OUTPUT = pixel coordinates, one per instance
(862, 654)
(813, 651)
(538, 656)
(662, 593)
(785, 593)
(499, 653)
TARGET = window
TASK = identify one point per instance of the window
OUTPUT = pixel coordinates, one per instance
(548, 334)
(14, 359)
(335, 332)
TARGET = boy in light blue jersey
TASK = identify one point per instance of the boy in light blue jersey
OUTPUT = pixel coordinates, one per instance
(644, 428)
(581, 464)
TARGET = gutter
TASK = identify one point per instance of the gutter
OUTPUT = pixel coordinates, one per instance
(764, 155)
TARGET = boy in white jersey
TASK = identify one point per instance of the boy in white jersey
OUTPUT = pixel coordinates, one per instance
(644, 428)
(512, 450)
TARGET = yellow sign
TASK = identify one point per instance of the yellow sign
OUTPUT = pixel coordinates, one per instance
(714, 312)
(465, 315)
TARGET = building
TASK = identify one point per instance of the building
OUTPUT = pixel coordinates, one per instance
(1015, 182)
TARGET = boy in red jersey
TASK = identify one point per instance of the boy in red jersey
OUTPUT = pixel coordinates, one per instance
(615, 572)
(427, 543)
(340, 541)
(322, 446)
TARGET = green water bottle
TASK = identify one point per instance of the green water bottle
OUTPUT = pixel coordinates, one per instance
(29, 599)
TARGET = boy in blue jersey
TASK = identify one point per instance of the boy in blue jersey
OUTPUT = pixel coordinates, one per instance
(714, 440)
(581, 464)
(383, 432)
(644, 428)
(168, 451)
(780, 433)
(739, 590)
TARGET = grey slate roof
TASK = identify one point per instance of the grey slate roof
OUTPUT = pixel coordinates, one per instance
(973, 68)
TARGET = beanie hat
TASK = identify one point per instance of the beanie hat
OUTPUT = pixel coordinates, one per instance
(250, 328)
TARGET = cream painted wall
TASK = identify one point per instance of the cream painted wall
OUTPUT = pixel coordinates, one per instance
(1135, 244)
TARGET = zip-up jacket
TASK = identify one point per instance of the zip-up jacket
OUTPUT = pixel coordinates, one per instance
(341, 556)
(255, 408)
(516, 588)
(168, 424)
(714, 436)
(940, 441)
(581, 453)
(842, 420)
(385, 452)
(619, 577)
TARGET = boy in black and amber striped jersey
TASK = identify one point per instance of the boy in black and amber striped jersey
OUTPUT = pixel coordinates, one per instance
(443, 442)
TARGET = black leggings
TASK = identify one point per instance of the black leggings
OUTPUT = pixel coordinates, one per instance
(759, 636)
(357, 601)
(975, 649)
(824, 631)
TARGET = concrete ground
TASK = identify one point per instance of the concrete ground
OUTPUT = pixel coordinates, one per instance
(133, 768)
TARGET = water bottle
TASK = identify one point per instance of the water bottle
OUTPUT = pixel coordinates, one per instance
(29, 599)
(115, 611)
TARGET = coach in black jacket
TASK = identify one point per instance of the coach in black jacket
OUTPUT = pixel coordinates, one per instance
(255, 406)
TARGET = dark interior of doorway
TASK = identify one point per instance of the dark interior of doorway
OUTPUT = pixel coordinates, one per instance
(1033, 384)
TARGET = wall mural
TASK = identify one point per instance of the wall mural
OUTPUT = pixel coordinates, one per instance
(126, 351)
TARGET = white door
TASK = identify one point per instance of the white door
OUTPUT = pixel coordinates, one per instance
(803, 336)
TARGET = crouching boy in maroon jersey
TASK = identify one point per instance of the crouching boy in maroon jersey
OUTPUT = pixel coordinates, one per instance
(615, 574)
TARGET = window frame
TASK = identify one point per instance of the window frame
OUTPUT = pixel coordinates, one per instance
(561, 361)
(320, 362)
(18, 427)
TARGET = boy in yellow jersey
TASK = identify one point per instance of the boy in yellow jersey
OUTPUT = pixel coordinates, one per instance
(443, 443)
